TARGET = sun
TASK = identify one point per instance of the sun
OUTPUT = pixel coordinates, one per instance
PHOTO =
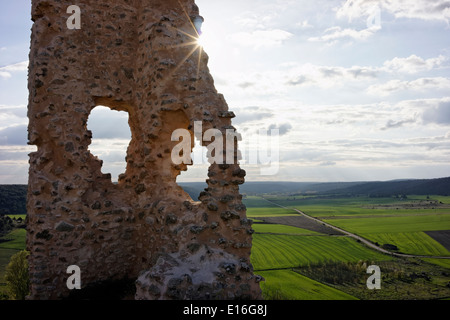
(201, 41)
(196, 41)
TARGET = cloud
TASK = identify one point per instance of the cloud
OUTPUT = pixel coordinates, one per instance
(414, 9)
(327, 164)
(249, 114)
(13, 155)
(285, 78)
(421, 84)
(332, 35)
(16, 111)
(261, 38)
(282, 129)
(304, 25)
(327, 76)
(252, 20)
(5, 72)
(246, 84)
(14, 135)
(391, 124)
(439, 114)
(353, 9)
(109, 124)
(414, 64)
(363, 72)
(330, 76)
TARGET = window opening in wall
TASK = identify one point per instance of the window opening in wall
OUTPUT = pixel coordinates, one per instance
(193, 181)
(111, 136)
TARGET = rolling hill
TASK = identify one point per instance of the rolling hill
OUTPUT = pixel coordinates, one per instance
(439, 186)
(13, 197)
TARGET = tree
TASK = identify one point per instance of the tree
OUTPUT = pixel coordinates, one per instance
(16, 276)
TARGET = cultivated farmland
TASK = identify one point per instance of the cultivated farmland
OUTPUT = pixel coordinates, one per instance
(291, 285)
(397, 224)
(287, 251)
(10, 244)
(297, 255)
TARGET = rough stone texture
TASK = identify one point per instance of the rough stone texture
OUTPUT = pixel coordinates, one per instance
(134, 56)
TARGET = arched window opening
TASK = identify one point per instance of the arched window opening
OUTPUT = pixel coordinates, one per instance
(193, 181)
(111, 136)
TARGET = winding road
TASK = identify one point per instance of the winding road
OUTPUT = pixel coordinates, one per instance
(362, 240)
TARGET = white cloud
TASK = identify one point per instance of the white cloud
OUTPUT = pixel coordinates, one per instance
(283, 80)
(392, 124)
(261, 38)
(5, 72)
(252, 20)
(439, 114)
(282, 129)
(421, 84)
(337, 33)
(304, 25)
(414, 64)
(327, 76)
(5, 75)
(14, 135)
(250, 114)
(416, 9)
(7, 112)
(109, 124)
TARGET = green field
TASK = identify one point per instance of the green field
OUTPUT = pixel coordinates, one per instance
(445, 263)
(410, 223)
(282, 229)
(17, 239)
(17, 216)
(257, 202)
(283, 254)
(401, 222)
(290, 285)
(418, 243)
(269, 212)
(278, 250)
(361, 206)
(287, 251)
(405, 231)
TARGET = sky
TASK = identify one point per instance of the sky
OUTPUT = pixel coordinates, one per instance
(358, 89)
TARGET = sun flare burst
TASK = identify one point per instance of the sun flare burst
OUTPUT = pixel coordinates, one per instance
(195, 41)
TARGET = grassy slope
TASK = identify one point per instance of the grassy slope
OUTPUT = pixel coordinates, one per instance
(406, 232)
(17, 239)
(287, 251)
(395, 224)
(361, 206)
(289, 285)
(411, 242)
(8, 249)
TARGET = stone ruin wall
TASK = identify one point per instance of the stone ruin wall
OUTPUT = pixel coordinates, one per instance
(135, 56)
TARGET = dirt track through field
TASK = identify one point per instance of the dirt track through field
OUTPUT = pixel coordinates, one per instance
(358, 238)
(302, 222)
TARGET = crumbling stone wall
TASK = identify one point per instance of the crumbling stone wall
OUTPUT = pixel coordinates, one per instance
(136, 56)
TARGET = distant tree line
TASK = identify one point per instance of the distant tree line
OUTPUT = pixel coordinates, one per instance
(6, 225)
(401, 188)
(13, 199)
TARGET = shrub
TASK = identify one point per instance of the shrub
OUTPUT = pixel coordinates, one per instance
(16, 276)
